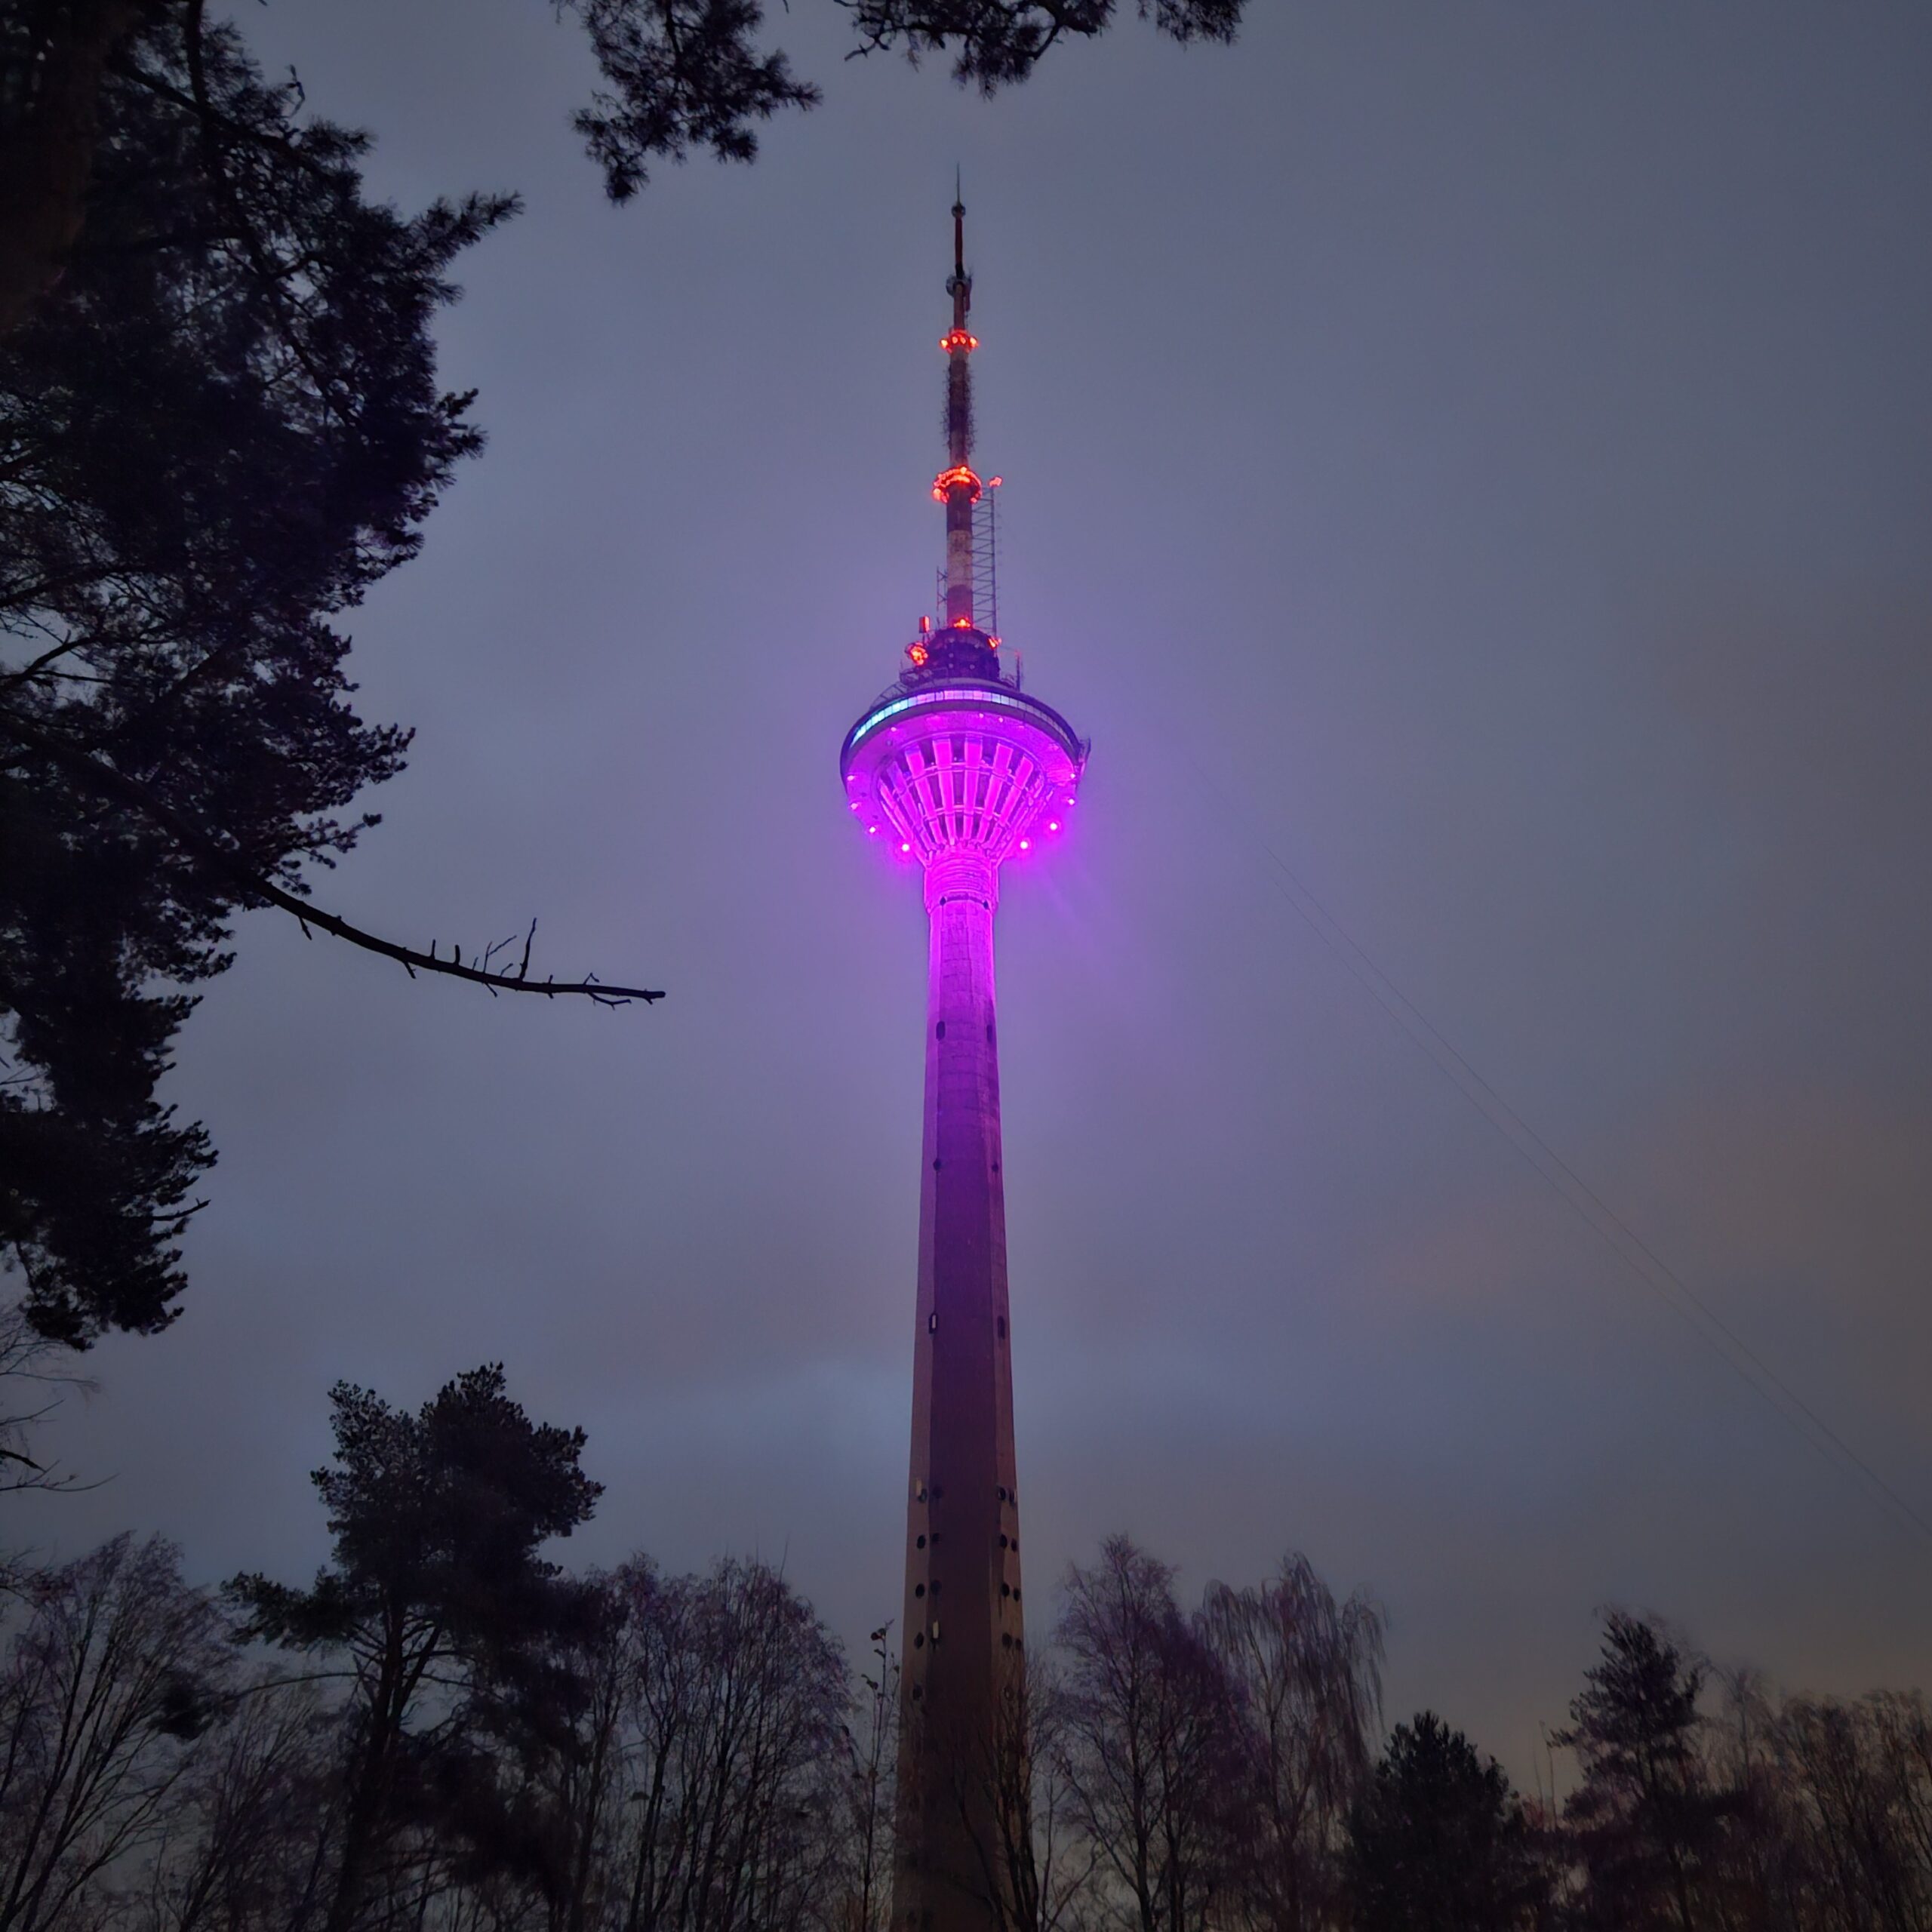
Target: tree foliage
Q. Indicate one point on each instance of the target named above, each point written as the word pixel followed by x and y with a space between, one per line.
pixel 1438 1842
pixel 446 1618
pixel 220 431
pixel 679 74
pixel 1648 1823
pixel 994 43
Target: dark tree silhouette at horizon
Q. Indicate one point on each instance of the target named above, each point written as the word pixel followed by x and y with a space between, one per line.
pixel 628 1751
pixel 1649 1824
pixel 1439 1842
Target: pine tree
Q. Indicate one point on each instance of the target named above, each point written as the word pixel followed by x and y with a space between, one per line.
pixel 441 1611
pixel 1649 1827
pixel 1440 1843
pixel 217 432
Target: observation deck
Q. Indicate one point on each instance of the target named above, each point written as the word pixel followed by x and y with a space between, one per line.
pixel 955 760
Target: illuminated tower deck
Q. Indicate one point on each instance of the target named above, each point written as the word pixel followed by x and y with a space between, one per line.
pixel 957 770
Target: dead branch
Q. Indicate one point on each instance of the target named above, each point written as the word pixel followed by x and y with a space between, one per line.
pixel 110 783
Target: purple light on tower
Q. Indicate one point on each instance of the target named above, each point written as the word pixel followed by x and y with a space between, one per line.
pixel 965 768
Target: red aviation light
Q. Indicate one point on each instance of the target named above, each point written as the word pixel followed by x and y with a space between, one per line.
pixel 917 652
pixel 958 338
pixel 959 475
pixel 962 623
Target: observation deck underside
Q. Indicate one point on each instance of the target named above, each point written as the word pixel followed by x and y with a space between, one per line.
pixel 957 767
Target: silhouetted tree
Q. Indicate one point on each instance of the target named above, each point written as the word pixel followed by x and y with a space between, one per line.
pixel 1438 1842
pixel 1766 1883
pixel 1150 1742
pixel 440 1606
pixel 114 1668
pixel 1854 1812
pixel 222 431
pixel 732 1740
pixel 573 1766
pixel 35 1377
pixel 247 1843
pixel 871 1743
pixel 636 1752
pixel 1065 1863
pixel 1307 1671
pixel 1648 1824
pixel 1034 1867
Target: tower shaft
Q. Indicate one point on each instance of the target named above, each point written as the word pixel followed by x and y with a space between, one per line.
pixel 961 1760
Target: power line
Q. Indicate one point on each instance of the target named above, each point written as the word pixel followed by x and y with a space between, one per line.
pixel 1637 1254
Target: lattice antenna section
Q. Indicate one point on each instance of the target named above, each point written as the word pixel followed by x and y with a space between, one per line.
pixel 985 559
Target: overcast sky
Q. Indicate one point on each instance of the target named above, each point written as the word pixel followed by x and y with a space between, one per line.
pixel 1477 457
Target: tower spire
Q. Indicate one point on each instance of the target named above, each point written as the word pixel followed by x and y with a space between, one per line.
pixel 956 486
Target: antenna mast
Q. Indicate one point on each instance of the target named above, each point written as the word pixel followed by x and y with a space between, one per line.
pixel 956 486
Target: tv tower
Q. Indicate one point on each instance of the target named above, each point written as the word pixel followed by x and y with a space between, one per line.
pixel 957 769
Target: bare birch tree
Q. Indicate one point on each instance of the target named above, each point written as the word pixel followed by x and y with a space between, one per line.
pixel 109 1675
pixel 1308 1673
pixel 248 1846
pixel 738 1695
pixel 871 1753
pixel 1150 1747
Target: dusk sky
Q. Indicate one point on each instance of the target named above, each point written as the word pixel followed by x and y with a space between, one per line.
pixel 1473 460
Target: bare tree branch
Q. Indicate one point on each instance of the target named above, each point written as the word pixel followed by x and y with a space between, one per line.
pixel 118 786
